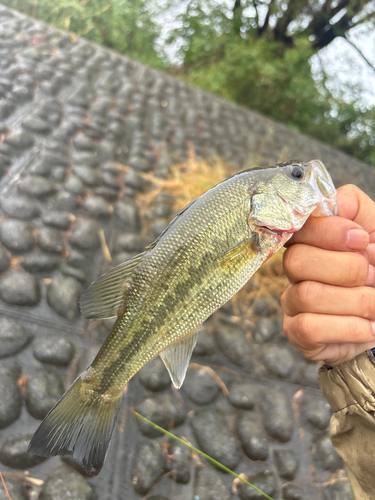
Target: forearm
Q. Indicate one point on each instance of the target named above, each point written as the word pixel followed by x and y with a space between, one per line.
pixel 350 390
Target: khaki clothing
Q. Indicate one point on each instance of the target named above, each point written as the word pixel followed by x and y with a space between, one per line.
pixel 350 390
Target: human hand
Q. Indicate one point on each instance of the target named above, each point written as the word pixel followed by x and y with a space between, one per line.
pixel 329 305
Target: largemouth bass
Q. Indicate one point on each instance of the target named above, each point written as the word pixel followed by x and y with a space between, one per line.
pixel 161 296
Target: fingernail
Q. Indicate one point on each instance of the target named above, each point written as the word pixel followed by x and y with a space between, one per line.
pixel 357 239
pixel 371 276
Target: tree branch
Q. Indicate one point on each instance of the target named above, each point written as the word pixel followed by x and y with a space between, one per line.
pixel 360 53
pixel 262 29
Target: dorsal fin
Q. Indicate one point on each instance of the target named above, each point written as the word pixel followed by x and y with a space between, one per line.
pixel 105 297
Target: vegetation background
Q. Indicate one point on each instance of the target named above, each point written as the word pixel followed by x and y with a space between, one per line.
pixel 255 52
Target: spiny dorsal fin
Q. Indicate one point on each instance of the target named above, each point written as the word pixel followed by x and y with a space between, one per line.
pixel 176 358
pixel 105 297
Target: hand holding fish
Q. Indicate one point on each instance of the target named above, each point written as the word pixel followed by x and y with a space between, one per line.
pixel 330 303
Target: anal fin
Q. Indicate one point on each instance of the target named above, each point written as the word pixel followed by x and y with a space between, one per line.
pixel 176 358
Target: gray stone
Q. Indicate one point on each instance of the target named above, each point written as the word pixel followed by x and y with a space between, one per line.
pixel 134 180
pixel 180 462
pixel 16 490
pixel 37 125
pixel 127 214
pixel 154 375
pixel 35 185
pixel 252 437
pixel 85 235
pixel 325 455
pixel 210 486
pixel 129 242
pixel 56 351
pixel 243 395
pixel 19 207
pixel 6 109
pixel 106 192
pixel 263 306
pixel 111 181
pixel 88 175
pixel 59 220
pixel 63 294
pixel 20 289
pixel 317 411
pixel 4 259
pixel 78 274
pixel 13 453
pixel 205 343
pixel 215 437
pixel 148 465
pixel 159 226
pixel 200 386
pixel 264 481
pixel 277 414
pixel 266 329
pixel 13 337
pixel 234 344
pixel 338 491
pixel 286 462
pixel 10 395
pixel 50 240
pixel 76 259
pixel 294 492
pixel 86 158
pixel 278 360
pixel 38 262
pixel 64 201
pixel 97 206
pixel 75 185
pixel 16 235
pixel 58 174
pixel 164 409
pixel 43 390
pixel 64 483
pixel 82 142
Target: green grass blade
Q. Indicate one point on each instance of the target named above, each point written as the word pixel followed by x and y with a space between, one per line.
pixel 199 452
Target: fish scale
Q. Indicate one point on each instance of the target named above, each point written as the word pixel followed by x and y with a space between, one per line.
pixel 207 253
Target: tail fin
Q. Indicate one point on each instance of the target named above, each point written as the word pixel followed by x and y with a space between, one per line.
pixel 78 425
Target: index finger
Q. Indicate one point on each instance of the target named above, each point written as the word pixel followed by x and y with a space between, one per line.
pixel 355 205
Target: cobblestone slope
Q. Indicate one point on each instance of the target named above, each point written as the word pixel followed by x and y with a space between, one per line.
pixel 71 113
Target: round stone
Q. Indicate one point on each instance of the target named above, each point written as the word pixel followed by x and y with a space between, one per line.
pixel 13 453
pixel 129 242
pixel 148 465
pixel 277 414
pixel 37 125
pixel 127 214
pixel 252 437
pixel 180 462
pixel 63 294
pixel 205 344
pixel 43 390
pixel 88 175
pixel 264 481
pixel 64 483
pixel 56 351
pixel 325 455
pixel 215 437
pixel 234 344
pixel 16 235
pixel 6 109
pixel 210 486
pixel 19 207
pixel 38 262
pixel 10 396
pixel 50 240
pixel 37 186
pixel 76 259
pixel 286 462
pixel 243 395
pixel 266 329
pixel 111 181
pixel 164 409
pixel 20 289
pixel 13 337
pixel 4 259
pixel 278 360
pixel 64 201
pixel 59 220
pixel 154 375
pixel 78 274
pixel 16 490
pixel 134 180
pixel 85 235
pixel 200 386
pixel 317 411
pixel 75 185
pixel 97 206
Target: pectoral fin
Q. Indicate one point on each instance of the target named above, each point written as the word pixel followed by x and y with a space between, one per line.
pixel 105 297
pixel 243 249
pixel 176 358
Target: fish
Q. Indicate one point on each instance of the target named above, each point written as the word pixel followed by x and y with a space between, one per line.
pixel 160 297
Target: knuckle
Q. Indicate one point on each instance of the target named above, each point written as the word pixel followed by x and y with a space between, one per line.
pixel 292 262
pixel 305 292
pixel 356 327
pixel 304 326
pixel 357 269
pixel 367 301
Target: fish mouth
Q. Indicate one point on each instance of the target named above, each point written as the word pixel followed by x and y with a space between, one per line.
pixel 322 183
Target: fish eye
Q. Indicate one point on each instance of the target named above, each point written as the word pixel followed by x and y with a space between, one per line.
pixel 298 172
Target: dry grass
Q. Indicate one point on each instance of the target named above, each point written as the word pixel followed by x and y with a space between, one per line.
pixel 190 179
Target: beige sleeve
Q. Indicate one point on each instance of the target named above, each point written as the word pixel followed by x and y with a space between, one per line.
pixel 350 390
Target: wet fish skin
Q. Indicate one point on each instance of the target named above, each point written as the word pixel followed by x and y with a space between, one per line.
pixel 208 252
